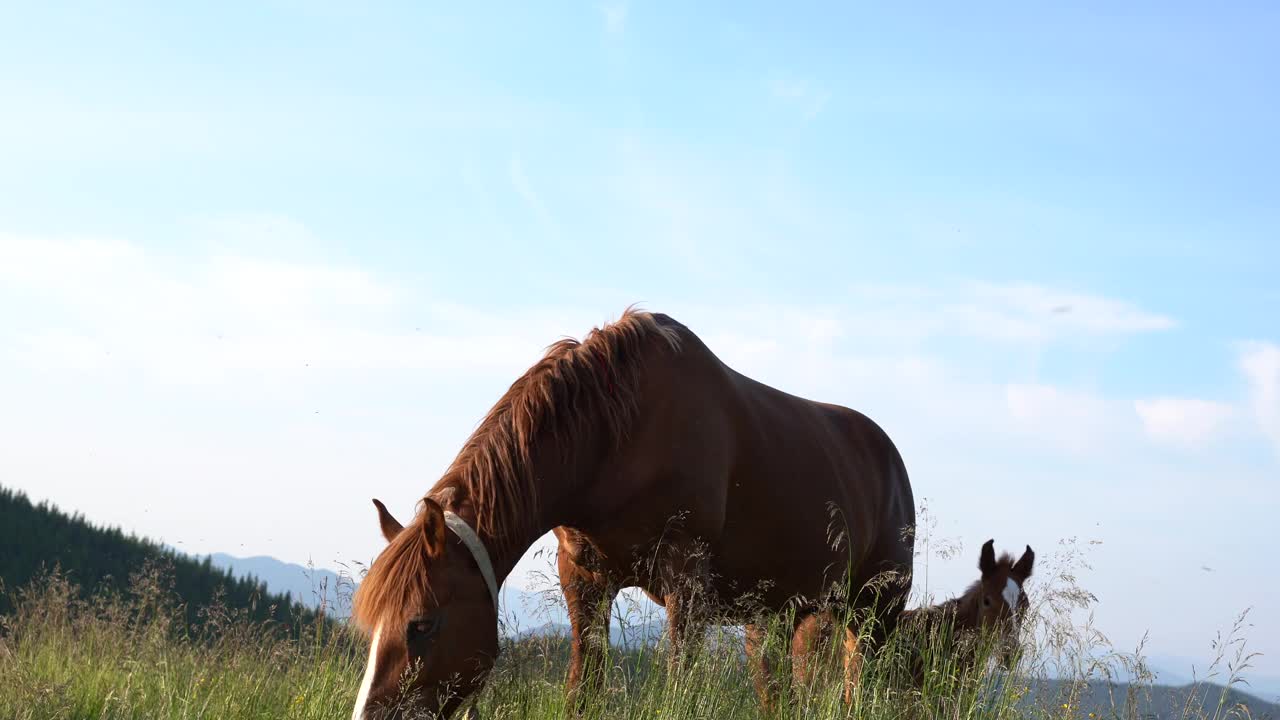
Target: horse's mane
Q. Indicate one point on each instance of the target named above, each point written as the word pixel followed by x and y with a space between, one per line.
pixel 592 384
pixel 576 385
pixel 396 580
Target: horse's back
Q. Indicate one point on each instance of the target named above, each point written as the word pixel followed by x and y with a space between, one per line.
pixel 800 473
pixel 807 447
pixel 769 477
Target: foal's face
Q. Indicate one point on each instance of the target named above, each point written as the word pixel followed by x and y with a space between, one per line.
pixel 1002 602
pixel 430 654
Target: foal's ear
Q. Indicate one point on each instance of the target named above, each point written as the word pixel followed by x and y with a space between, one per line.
pixel 433 527
pixel 987 562
pixel 1022 568
pixel 390 526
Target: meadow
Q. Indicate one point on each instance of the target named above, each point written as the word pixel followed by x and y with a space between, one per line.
pixel 136 654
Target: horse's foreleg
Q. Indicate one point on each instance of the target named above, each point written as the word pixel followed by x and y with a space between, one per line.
pixel 685 580
pixel 588 596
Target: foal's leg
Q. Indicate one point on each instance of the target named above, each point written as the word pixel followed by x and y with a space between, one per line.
pixel 810 645
pixel 860 645
pixel 769 683
pixel 853 657
pixel 589 596
pixel 813 644
pixel 761 670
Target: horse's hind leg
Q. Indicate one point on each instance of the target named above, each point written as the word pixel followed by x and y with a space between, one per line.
pixel 589 597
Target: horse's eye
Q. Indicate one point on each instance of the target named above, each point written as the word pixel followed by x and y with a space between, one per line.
pixel 986 602
pixel 423 627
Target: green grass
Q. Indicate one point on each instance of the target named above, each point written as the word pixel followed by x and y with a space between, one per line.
pixel 134 655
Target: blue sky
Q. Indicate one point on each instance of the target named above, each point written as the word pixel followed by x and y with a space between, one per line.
pixel 289 253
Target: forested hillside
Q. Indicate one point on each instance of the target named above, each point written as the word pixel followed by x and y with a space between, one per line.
pixel 35 537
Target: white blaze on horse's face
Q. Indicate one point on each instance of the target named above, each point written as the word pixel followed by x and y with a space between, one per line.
pixel 370 669
pixel 1011 593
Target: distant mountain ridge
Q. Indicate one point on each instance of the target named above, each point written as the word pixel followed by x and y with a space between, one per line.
pixel 312 586
pixel 1153 702
pixel 647 634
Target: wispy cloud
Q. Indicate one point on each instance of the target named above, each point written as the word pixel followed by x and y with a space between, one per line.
pixel 799 348
pixel 1185 422
pixel 615 16
pixel 530 196
pixel 1017 314
pixel 1037 311
pixel 809 97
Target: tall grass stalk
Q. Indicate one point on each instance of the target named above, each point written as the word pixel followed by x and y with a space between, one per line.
pixel 133 655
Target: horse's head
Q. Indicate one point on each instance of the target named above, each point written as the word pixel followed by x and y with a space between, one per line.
pixel 1002 603
pixel 431 611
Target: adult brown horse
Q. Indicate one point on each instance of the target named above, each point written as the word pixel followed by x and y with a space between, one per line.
pixel 606 441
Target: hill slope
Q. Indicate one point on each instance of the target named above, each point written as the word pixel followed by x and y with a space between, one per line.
pixel 37 538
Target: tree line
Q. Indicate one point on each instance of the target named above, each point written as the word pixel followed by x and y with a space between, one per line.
pixel 35 539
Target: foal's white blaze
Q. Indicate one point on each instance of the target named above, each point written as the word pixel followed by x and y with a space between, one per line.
pixel 369 670
pixel 1011 592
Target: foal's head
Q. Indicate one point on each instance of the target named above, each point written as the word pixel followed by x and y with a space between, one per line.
pixel 997 601
pixel 432 618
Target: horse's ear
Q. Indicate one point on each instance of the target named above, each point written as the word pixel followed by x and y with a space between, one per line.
pixel 1022 568
pixel 987 561
pixel 390 526
pixel 433 527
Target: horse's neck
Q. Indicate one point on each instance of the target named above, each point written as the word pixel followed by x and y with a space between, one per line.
pixel 958 611
pixel 964 610
pixel 503 552
pixel 556 484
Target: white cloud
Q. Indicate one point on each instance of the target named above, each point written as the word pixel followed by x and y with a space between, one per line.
pixel 279 286
pixel 1187 422
pixel 1055 416
pixel 256 230
pixel 203 320
pixel 922 391
pixel 1260 363
pixel 62 265
pixel 122 280
pixel 203 358
pixel 120 306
